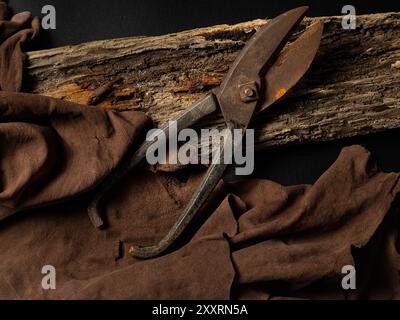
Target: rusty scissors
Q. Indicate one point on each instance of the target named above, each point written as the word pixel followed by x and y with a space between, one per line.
pixel 266 68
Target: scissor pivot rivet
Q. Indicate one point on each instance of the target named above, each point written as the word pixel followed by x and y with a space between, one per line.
pixel 248 92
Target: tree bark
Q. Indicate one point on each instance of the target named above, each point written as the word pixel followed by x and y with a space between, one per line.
pixel 352 87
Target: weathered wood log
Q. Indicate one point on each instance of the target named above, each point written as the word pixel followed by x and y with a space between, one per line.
pixel 351 89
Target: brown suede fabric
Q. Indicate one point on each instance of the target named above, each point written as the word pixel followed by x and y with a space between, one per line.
pixel 254 239
pixel 14 32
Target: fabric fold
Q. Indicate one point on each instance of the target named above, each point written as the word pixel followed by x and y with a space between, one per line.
pixel 44 140
pixel 307 233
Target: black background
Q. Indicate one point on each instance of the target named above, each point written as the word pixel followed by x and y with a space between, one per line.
pixel 79 21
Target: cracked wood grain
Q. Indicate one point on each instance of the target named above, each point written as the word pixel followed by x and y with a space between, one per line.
pixel 352 87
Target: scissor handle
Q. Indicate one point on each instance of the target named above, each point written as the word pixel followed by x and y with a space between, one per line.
pixel 201 108
pixel 209 182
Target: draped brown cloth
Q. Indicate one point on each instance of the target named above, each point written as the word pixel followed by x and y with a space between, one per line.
pixel 254 239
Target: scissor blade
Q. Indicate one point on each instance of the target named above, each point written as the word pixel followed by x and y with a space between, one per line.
pixel 255 58
pixel 291 65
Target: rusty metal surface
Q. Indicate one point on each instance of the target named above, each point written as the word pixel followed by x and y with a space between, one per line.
pixel 291 65
pixel 261 74
pixel 255 58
